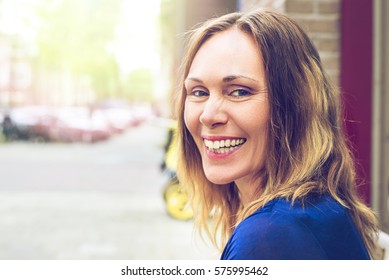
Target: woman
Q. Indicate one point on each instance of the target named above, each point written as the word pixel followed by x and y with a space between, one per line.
pixel 262 150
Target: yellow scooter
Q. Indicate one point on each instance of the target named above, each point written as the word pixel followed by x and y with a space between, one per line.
pixel 176 199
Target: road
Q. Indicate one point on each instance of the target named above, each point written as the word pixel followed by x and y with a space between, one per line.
pixel 91 201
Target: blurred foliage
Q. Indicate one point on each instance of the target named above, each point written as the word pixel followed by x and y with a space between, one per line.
pixel 75 35
pixel 171 42
pixel 167 23
pixel 78 36
pixel 139 85
pixel 76 31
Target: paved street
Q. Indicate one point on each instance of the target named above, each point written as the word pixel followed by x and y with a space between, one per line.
pixel 100 201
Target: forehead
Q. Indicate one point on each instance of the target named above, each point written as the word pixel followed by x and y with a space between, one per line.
pixel 228 52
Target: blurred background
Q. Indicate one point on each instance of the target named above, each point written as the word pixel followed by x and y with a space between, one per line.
pixel 86 102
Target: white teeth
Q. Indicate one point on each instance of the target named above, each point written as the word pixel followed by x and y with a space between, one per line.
pixel 223 146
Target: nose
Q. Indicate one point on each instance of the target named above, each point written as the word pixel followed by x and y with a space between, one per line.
pixel 213 114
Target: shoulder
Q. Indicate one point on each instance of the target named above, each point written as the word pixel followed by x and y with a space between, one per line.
pixel 273 232
pixel 281 230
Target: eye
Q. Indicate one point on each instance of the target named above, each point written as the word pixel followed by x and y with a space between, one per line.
pixel 199 93
pixel 240 93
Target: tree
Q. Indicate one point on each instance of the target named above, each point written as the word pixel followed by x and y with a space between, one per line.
pixel 75 35
pixel 139 85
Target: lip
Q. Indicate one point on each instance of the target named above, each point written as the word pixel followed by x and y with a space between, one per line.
pixel 219 138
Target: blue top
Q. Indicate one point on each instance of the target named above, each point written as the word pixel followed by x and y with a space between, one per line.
pixel 319 229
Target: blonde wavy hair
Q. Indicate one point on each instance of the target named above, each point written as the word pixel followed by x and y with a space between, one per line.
pixel 307 150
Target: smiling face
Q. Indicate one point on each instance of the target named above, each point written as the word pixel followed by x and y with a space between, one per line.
pixel 227 108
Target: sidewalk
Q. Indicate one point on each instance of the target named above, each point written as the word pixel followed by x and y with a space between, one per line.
pixel 55 225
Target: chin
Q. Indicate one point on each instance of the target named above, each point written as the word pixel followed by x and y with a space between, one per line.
pixel 219 180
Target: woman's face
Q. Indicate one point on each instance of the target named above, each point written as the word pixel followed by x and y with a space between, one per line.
pixel 227 108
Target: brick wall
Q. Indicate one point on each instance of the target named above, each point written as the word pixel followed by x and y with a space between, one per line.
pixel 319 18
pixel 197 11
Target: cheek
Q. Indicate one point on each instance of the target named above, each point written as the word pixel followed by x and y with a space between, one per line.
pixel 262 132
pixel 257 126
pixel 255 120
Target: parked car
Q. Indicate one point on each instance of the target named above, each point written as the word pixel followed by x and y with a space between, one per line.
pixel 31 123
pixel 77 124
pixel 72 123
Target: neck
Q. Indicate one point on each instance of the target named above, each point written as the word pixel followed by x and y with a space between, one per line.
pixel 249 190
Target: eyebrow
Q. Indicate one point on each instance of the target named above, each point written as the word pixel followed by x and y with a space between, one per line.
pixel 234 77
pixel 225 79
